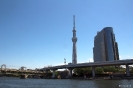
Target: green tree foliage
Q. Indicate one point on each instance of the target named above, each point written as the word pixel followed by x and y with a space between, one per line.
pixel 87 70
pixel 110 69
pixel 99 70
pixel 56 73
pixel 80 71
pixel 132 69
pixel 121 69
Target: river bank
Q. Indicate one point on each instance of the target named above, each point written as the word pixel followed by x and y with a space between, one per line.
pixel 85 77
pixel 76 78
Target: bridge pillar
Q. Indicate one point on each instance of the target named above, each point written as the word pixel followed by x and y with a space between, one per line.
pixel 93 71
pixel 127 70
pixel 70 72
pixel 53 76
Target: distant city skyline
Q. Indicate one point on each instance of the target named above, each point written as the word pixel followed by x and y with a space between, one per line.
pixel 35 33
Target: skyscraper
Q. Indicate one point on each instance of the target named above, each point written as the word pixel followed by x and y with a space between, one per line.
pixel 105 46
pixel 74 40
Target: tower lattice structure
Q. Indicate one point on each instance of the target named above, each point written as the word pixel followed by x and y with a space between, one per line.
pixel 74 40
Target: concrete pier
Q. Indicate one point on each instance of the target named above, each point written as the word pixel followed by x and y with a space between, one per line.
pixel 70 72
pixel 93 71
pixel 53 76
pixel 127 70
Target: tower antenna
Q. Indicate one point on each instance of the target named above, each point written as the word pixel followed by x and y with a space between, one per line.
pixel 74 21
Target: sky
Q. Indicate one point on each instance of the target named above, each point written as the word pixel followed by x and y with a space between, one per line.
pixel 37 33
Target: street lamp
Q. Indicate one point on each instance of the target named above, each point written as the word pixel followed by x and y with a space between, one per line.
pixel 64 61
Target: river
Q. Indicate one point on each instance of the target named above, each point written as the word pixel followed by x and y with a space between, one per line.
pixel 12 82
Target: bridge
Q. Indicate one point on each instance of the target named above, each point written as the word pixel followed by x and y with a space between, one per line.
pixel 71 66
pixel 4 71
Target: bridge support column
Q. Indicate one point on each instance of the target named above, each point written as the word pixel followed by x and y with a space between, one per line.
pixel 93 71
pixel 70 72
pixel 127 70
pixel 53 76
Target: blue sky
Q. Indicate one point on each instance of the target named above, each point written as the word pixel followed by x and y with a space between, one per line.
pixel 37 33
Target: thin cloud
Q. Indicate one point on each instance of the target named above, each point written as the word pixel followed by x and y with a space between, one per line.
pixel 128 56
pixel 58 64
pixel 91 60
pixel 87 61
pixel 125 57
pixel 65 50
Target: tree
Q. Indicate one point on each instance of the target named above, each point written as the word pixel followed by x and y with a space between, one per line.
pixel 81 71
pixel 56 73
pixel 132 69
pixel 78 71
pixel 99 70
pixel 110 69
pixel 87 70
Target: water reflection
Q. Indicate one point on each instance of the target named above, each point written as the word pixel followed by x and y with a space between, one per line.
pixel 112 83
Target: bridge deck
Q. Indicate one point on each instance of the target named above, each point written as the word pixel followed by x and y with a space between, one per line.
pixel 92 64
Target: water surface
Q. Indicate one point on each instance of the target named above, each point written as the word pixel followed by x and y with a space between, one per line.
pixel 12 82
